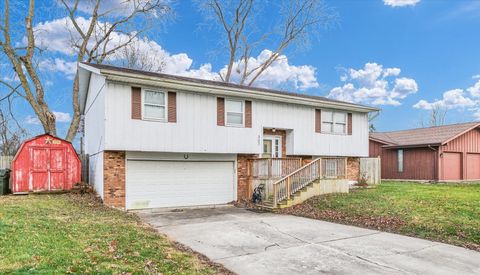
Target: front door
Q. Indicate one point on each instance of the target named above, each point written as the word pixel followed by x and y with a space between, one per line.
pixel 272 147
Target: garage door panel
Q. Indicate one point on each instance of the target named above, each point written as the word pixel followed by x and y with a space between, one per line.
pixel 453 166
pixel 473 166
pixel 178 183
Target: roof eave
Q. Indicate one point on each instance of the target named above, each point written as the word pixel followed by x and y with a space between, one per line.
pixel 400 146
pixel 459 134
pixel 380 140
pixel 118 76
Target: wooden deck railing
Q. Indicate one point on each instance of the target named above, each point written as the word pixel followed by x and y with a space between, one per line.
pixel 298 179
pixel 268 168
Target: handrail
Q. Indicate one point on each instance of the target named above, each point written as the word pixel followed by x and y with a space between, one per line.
pixel 291 183
pixel 272 168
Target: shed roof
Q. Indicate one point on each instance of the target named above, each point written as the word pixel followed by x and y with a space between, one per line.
pixel 436 135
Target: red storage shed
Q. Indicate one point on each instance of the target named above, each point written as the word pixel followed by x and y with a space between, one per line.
pixel 45 163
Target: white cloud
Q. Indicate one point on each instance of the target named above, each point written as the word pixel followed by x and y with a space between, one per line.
pixel 400 3
pixel 279 73
pixel 60 116
pixel 372 85
pixel 452 99
pixel 59 65
pixel 32 120
pixel 58 36
pixel 475 89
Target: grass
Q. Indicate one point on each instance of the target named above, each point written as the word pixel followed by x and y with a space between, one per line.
pixel 447 213
pixel 68 233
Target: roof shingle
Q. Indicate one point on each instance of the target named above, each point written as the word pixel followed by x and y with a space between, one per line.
pixel 424 136
pixel 219 83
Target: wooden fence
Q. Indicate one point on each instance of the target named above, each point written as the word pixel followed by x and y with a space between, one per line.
pixel 6 162
pixel 370 170
pixel 84 160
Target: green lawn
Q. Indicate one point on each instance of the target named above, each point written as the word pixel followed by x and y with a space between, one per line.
pixel 67 233
pixel 447 213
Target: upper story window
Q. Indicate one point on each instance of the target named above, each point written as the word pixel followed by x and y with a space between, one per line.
pixel 154 105
pixel 334 122
pixel 234 112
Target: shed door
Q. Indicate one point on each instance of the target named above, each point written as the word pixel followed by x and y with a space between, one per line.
pixel 48 169
pixel 39 173
pixel 151 184
pixel 452 166
pixel 57 169
pixel 473 166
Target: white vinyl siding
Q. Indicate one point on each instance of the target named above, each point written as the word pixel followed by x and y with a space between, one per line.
pixel 234 112
pixel 334 122
pixel 197 132
pixel 154 105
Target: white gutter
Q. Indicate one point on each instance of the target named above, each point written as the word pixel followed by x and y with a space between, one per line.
pixel 116 76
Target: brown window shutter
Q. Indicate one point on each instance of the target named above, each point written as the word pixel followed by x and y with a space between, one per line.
pixel 220 111
pixel 248 114
pixel 318 120
pixel 172 107
pixel 349 123
pixel 136 103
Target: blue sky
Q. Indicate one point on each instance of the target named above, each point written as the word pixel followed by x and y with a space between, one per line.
pixel 400 58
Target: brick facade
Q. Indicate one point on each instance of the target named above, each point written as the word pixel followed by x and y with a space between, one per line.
pixel 353 168
pixel 114 178
pixel 243 179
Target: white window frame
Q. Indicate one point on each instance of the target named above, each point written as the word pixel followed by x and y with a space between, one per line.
pixel 400 160
pixel 333 122
pixel 274 139
pixel 226 113
pixel 144 91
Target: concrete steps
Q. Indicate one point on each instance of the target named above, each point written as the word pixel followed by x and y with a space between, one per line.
pixel 315 188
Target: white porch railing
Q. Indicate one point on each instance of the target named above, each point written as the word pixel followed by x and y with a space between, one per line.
pixel 331 168
pixel 268 168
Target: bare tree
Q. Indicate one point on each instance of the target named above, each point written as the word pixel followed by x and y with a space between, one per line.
pixel 298 20
pixel 371 118
pixel 94 42
pixel 436 116
pixel 11 137
pixel 134 57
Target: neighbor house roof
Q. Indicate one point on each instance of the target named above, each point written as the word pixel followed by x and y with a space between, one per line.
pixel 131 75
pixel 433 136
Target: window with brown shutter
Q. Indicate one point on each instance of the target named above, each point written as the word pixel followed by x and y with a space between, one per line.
pixel 220 111
pixel 349 124
pixel 136 103
pixel 318 120
pixel 248 114
pixel 172 107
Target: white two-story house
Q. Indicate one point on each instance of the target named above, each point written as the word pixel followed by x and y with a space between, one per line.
pixel 157 140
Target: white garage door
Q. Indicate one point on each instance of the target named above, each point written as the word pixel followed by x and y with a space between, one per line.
pixel 151 184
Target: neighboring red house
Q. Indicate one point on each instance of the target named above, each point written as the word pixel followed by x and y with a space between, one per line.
pixel 442 153
pixel 45 163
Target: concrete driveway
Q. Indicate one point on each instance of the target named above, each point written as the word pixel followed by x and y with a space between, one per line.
pixel 263 243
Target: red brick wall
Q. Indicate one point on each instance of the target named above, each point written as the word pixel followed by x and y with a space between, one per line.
pixel 114 178
pixel 243 179
pixel 353 169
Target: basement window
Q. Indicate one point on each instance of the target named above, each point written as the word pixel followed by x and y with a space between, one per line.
pixel 400 160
